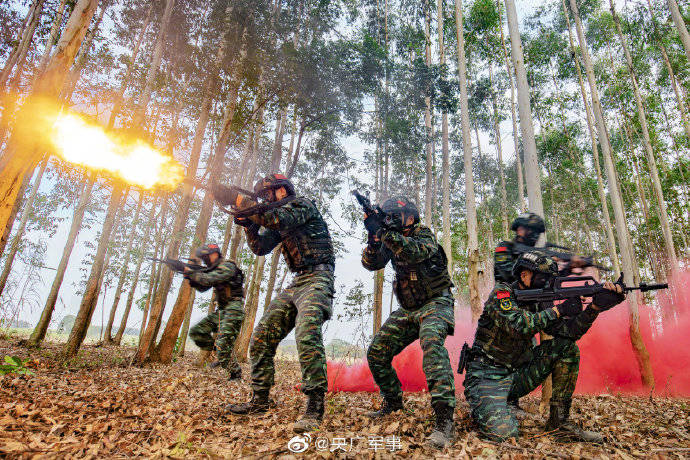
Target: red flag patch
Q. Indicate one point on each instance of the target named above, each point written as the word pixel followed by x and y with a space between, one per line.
pixel 501 249
pixel 401 203
pixel 279 176
pixel 502 294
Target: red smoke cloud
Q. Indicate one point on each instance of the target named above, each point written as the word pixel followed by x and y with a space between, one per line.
pixel 607 364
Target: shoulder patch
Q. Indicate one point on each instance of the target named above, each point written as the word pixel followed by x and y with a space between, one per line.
pixel 506 304
pixel 502 295
pixel 501 249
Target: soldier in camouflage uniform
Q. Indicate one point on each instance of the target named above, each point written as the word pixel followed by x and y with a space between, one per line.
pixel 503 364
pixel 528 227
pixel 422 287
pixel 227 279
pixel 304 305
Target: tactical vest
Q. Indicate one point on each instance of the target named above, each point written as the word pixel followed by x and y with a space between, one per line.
pixel 416 283
pixel 501 346
pixel 308 245
pixel 227 291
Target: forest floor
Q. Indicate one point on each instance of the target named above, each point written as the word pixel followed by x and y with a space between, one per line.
pixel 97 406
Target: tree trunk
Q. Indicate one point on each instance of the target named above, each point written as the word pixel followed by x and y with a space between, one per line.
pixel 532 170
pixel 251 304
pixel 445 154
pixel 145 238
pixel 52 38
pixel 516 138
pixel 185 326
pixel 145 97
pixel 123 273
pixel 18 56
pixel 275 258
pixel 680 26
pixel 662 213
pixel 639 348
pixel 610 239
pixel 470 203
pixel 28 209
pixel 20 158
pixel 88 303
pixel 429 187
pixel 39 332
pixel 499 159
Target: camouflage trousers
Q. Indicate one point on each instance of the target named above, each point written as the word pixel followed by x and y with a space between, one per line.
pixel 489 387
pixel 227 322
pixel 430 324
pixel 304 306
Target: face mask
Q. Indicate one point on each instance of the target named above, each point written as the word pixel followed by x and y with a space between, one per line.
pixel 531 238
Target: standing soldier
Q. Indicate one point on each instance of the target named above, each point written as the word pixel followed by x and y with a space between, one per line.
pixel 304 305
pixel 503 365
pixel 227 279
pixel 422 287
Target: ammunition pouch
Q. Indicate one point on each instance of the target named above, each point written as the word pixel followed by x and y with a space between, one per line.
pixel 416 284
pixel 302 252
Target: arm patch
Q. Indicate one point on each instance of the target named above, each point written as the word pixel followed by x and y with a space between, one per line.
pixel 502 295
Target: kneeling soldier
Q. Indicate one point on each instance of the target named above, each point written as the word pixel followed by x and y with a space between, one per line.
pixel 504 366
pixel 422 287
pixel 227 279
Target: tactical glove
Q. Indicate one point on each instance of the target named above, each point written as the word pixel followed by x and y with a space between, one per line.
pixel 605 300
pixel 570 307
pixel 373 223
pixel 373 242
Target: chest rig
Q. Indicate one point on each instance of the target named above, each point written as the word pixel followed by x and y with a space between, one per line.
pixel 308 245
pixel 417 283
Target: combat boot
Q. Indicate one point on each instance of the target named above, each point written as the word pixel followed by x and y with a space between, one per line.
pixel 559 422
pixel 235 374
pixel 214 364
pixel 313 415
pixel 444 429
pixel 258 404
pixel 518 412
pixel 389 405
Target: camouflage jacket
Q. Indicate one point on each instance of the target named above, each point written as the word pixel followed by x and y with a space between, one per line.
pixel 419 262
pixel 226 278
pixel 505 329
pixel 301 229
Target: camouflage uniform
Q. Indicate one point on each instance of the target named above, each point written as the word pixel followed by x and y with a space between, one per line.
pixel 422 287
pixel 306 303
pixel 503 365
pixel 227 279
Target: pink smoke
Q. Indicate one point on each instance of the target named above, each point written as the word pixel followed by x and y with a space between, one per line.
pixel 607 360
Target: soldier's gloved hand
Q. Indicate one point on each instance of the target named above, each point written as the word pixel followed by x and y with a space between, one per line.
pixel 372 223
pixel 226 196
pixel 373 241
pixel 243 222
pixel 570 307
pixel 611 296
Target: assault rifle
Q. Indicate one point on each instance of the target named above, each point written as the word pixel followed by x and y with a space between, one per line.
pixel 590 288
pixel 178 266
pixel 376 218
pixel 560 252
pixel 227 195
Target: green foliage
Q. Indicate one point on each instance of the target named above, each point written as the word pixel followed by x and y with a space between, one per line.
pixel 15 365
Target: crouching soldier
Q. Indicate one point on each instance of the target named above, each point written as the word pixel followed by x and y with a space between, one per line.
pixel 504 366
pixel 422 287
pixel 227 279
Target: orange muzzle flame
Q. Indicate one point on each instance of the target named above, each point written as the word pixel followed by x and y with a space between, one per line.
pixel 134 161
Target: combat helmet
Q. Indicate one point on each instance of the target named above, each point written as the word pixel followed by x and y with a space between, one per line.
pixel 273 182
pixel 205 251
pixel 534 223
pixel 401 204
pixel 543 267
